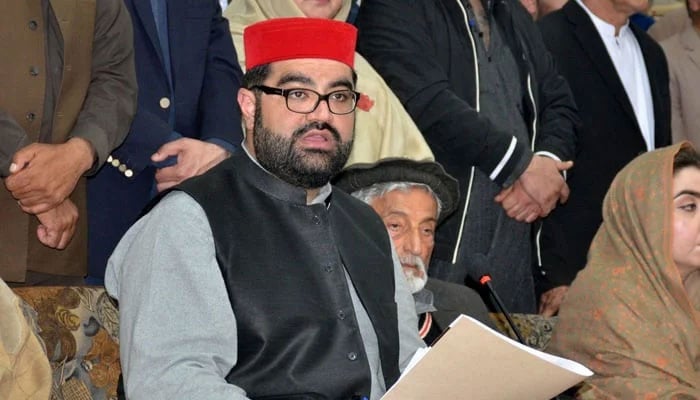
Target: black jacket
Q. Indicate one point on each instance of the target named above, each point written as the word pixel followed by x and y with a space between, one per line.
pixel 423 50
pixel 609 138
pixel 298 335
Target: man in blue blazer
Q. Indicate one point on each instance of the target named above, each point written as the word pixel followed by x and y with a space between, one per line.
pixel 187 120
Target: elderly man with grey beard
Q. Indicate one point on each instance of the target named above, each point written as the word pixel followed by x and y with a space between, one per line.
pixel 412 198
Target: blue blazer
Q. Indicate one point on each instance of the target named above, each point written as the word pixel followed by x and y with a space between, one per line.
pixel 205 77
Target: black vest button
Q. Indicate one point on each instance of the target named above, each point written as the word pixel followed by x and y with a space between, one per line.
pixel 316 219
pixel 328 268
pixel 352 356
pixel 341 314
pixel 33 25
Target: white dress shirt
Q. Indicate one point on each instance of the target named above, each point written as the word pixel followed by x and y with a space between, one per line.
pixel 626 55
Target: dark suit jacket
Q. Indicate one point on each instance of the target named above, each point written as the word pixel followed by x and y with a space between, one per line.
pixel 206 78
pixel 451 300
pixel 13 139
pixel 609 138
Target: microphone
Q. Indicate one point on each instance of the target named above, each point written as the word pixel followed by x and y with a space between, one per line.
pixel 484 279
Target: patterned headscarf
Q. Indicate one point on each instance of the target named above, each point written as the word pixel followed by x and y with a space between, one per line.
pixel 627 315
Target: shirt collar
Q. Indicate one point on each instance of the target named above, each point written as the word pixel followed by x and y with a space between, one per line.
pixel 605 29
pixel 424 301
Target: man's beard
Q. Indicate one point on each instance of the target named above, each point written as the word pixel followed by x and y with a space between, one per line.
pixel 310 168
pixel 416 279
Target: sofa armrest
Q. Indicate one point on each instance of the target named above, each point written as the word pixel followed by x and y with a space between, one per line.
pixel 535 329
pixel 79 328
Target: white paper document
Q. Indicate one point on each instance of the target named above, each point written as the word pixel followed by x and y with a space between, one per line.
pixel 472 361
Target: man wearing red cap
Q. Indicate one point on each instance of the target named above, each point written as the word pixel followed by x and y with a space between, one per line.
pixel 282 286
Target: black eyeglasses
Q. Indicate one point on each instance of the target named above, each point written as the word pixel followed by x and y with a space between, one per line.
pixel 304 101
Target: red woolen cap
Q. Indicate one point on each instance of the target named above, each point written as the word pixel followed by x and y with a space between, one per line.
pixel 281 39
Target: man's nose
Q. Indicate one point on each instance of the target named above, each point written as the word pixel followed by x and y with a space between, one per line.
pixel 413 243
pixel 322 112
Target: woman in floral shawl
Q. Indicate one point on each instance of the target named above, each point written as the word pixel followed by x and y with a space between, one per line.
pixel 631 315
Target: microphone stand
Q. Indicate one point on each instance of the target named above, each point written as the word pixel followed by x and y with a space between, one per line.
pixel 485 280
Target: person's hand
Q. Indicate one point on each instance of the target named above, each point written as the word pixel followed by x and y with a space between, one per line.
pixel 542 180
pixel 551 300
pixel 43 175
pixel 194 157
pixel 518 204
pixel 57 225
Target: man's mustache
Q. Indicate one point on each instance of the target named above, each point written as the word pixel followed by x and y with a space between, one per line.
pixel 414 260
pixel 319 126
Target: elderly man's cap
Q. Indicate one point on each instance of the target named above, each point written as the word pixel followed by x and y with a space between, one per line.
pixel 280 39
pixel 360 176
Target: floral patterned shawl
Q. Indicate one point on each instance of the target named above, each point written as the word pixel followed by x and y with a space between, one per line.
pixel 627 315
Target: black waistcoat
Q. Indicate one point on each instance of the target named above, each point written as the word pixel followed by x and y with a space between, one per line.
pixel 282 262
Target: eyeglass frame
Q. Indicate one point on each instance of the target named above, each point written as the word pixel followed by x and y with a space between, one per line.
pixel 321 97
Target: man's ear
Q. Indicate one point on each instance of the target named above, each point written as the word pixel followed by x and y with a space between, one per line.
pixel 246 101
